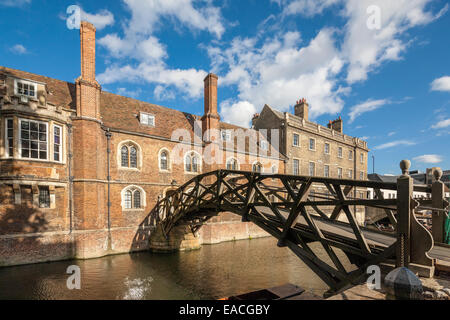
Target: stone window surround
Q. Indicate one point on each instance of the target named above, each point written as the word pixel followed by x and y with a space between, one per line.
pixel 325 172
pixel 341 175
pixel 309 144
pixel 119 155
pixel 199 164
pixel 35 192
pixel 169 160
pixel 309 168
pixel 325 149
pixel 260 165
pixel 238 165
pixel 340 153
pixel 27 82
pixel 17 145
pixel 299 141
pixel 293 167
pixel 133 188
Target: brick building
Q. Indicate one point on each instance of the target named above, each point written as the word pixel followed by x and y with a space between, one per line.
pixel 81 169
pixel 315 150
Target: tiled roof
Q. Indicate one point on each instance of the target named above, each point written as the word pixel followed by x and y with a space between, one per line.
pixel 122 113
pixel 60 93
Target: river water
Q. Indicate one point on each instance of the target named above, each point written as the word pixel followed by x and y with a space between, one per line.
pixel 214 271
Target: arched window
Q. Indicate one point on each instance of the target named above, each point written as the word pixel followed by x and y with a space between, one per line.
pixel 129 156
pixel 232 164
pixel 164 156
pixel 192 162
pixel 133 197
pixel 257 167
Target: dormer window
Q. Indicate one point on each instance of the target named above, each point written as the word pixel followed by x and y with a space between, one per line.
pixel 25 88
pixel 147 119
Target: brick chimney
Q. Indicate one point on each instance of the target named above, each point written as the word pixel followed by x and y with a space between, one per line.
pixel 336 125
pixel 301 109
pixel 211 118
pixel 88 89
pixel 89 145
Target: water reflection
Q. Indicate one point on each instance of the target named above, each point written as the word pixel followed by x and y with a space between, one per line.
pixel 209 273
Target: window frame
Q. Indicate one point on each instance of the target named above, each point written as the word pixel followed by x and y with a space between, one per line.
pixel 326 173
pixel 129 144
pixel 340 173
pixel 168 160
pixel 264 145
pixel 25 82
pixel 227 135
pixel 132 189
pixel 350 173
pixel 350 154
pixel 325 148
pixel 340 152
pixel 314 168
pixel 29 139
pixel 309 144
pixel 148 116
pixel 235 161
pixel 298 140
pixel 361 159
pixel 8 146
pixel 44 203
pixel 295 160
pixel 60 142
pixel 257 164
pixel 190 154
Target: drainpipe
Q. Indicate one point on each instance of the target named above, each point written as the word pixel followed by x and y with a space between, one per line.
pixel 108 178
pixel 69 165
pixel 108 152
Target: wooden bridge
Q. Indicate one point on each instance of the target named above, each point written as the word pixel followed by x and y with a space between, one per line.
pixel 290 209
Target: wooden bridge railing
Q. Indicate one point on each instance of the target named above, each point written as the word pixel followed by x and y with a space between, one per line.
pixel 298 210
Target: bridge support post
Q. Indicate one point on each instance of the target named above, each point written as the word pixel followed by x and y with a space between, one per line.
pixel 438 218
pixel 404 193
pixel 180 238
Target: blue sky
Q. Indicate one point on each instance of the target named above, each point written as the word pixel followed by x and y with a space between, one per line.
pixel 382 65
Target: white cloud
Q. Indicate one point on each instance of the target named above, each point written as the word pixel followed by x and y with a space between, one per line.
pixel 279 71
pixel 369 105
pixel 428 158
pixel 238 113
pixel 442 124
pixel 395 144
pixel 390 134
pixel 146 54
pixel 100 20
pixel 189 81
pixel 14 3
pixel 366 49
pixel 19 49
pixel 146 15
pixel 307 8
pixel 441 84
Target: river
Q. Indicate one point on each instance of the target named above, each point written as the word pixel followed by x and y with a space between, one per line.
pixel 214 271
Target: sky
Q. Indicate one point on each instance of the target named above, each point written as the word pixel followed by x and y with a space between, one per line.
pixel 382 65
